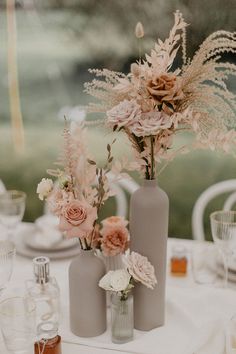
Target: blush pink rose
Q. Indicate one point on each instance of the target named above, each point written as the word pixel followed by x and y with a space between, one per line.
pixel 123 114
pixel 141 269
pixel 115 240
pixel 77 218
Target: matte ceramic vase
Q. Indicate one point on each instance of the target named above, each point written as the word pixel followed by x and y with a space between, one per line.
pixel 87 299
pixel 149 211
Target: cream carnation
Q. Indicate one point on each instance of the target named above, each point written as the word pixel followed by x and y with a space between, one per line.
pixel 141 269
pixel 44 188
pixel 124 114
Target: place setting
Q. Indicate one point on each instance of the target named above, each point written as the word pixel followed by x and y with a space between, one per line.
pixel 32 239
pixel 44 237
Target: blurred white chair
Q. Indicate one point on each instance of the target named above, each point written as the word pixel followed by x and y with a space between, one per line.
pixel 123 185
pixel 202 201
pixel 2 186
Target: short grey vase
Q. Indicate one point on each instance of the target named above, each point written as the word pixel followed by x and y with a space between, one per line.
pixel 149 214
pixel 87 299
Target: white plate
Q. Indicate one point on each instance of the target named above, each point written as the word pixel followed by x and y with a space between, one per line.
pixel 24 250
pixel 31 236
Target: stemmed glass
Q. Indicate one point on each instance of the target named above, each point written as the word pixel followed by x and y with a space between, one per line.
pixel 7 255
pixel 12 208
pixel 223 228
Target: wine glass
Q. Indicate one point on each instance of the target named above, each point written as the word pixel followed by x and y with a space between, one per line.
pixel 223 228
pixel 12 208
pixel 7 255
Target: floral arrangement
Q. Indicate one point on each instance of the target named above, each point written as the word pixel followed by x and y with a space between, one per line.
pixel 154 102
pixel 80 190
pixel 121 281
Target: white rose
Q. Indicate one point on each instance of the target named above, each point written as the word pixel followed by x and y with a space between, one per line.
pixel 44 188
pixel 105 282
pixel 115 280
pixel 120 280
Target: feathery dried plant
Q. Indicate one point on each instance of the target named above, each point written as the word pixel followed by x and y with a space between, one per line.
pixel 81 186
pixel 153 102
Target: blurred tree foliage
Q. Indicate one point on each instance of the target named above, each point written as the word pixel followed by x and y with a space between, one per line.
pixel 106 27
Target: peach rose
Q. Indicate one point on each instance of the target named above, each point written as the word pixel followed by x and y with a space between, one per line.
pixel 115 240
pixel 114 221
pixel 77 218
pixel 165 88
pixel 141 269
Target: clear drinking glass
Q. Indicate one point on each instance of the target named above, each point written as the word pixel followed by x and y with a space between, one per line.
pixel 204 257
pixel 17 319
pixel 223 228
pixel 122 322
pixel 7 255
pixel 12 208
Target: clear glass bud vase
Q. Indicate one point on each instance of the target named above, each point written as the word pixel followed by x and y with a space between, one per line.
pixel 122 322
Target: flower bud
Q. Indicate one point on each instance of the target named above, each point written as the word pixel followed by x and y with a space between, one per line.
pixel 139 31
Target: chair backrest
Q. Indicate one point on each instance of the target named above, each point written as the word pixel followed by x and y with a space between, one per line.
pixel 202 201
pixel 121 186
pixel 2 186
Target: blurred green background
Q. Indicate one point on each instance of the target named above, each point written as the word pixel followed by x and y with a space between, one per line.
pixel 57 41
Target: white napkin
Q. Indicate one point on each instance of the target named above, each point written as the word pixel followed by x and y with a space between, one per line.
pixel 195 324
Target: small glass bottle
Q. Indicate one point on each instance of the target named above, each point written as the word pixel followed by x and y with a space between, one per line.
pixel 179 260
pixel 45 292
pixel 122 322
pixel 49 341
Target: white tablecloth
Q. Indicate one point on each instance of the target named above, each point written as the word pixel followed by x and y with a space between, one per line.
pixel 196 316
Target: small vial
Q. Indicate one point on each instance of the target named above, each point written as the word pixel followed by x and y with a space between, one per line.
pixel 178 261
pixel 49 341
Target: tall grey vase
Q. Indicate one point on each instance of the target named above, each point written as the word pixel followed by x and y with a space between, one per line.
pixel 149 214
pixel 87 299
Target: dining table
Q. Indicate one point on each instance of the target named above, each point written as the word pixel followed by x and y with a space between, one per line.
pixel 196 321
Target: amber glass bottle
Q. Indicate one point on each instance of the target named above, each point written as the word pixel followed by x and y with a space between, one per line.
pixel 49 342
pixel 179 261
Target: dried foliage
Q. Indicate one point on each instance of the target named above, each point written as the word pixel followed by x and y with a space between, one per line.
pixel 154 102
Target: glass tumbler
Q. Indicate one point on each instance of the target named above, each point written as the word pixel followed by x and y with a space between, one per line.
pixel 7 255
pixel 17 320
pixel 204 263
pixel 122 322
